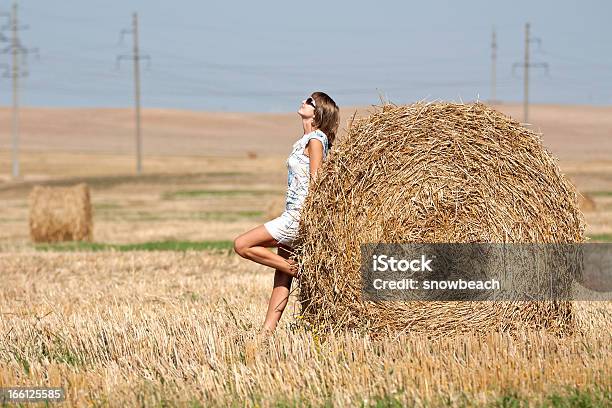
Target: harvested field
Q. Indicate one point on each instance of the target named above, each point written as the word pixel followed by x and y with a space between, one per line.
pixel 159 328
pixel 138 317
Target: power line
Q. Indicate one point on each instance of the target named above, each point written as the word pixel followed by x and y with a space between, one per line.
pixel 135 57
pixel 577 60
pixel 16 50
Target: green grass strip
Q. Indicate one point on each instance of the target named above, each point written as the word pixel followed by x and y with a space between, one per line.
pixel 601 237
pixel 143 246
pixel 568 398
pixel 599 193
pixel 215 193
pixel 184 216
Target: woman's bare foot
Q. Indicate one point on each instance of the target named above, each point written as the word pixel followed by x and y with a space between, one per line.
pixel 265 333
pixel 256 344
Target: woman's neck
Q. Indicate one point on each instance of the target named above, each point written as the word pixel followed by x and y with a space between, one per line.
pixel 307 125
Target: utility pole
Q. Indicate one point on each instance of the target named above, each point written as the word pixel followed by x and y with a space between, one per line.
pixel 137 92
pixel 493 67
pixel 4 39
pixel 15 75
pixel 526 76
pixel 526 65
pixel 135 57
pixel 16 50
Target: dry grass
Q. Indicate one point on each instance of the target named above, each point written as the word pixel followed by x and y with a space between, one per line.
pixel 128 329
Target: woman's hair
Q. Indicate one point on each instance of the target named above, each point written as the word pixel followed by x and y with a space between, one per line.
pixel 326 116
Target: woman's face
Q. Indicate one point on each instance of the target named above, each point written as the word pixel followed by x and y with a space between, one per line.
pixel 306 110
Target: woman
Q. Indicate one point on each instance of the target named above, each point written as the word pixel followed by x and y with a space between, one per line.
pixel 320 119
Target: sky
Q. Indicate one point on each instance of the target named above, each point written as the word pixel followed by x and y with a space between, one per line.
pixel 267 56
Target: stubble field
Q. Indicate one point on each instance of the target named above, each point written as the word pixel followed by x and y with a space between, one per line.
pixel 159 311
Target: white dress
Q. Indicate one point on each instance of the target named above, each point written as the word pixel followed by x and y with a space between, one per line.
pixel 284 228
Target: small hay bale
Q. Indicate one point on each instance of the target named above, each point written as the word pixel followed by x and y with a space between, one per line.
pixel 60 214
pixel 586 202
pixel 275 208
pixel 431 172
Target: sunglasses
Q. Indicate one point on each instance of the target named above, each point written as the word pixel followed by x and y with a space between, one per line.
pixel 310 101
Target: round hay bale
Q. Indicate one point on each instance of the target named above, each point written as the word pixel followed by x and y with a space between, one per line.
pixel 430 172
pixel 60 214
pixel 275 207
pixel 586 202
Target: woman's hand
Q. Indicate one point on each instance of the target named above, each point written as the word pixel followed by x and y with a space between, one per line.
pixel 293 266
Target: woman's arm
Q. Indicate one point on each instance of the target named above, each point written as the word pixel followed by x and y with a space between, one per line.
pixel 316 157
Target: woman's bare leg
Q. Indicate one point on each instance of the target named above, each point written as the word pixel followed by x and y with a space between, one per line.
pixel 252 245
pixel 280 294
